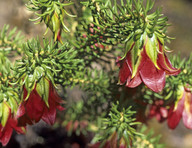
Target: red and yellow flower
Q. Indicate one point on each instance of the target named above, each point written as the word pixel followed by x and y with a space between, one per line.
pixel 37 107
pixel 181 109
pixel 145 61
pixel 8 123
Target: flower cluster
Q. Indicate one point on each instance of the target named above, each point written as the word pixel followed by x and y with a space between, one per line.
pixel 148 64
pixel 174 111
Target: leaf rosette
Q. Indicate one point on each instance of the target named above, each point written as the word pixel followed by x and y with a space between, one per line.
pixel 52 12
pixel 47 63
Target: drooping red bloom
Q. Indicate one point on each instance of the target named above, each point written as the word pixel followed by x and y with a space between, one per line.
pixel 148 65
pixel 181 109
pixel 34 108
pixel 6 131
pixel 158 110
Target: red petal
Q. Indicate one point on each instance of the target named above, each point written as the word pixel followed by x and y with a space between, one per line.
pixel 125 72
pixel 6 135
pixel 49 114
pixel 175 116
pixel 53 94
pixel 21 110
pixel 164 112
pixel 24 93
pixel 24 120
pixel 30 110
pixel 14 125
pixel 152 77
pixel 165 64
pixel 35 106
pixel 60 108
pixel 187 113
pixel 187 120
pixel 136 81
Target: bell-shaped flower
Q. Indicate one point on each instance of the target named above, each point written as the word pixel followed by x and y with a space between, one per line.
pixel 145 61
pixel 41 103
pixel 181 109
pixel 7 125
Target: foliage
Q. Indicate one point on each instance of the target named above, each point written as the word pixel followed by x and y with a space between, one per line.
pixel 10 41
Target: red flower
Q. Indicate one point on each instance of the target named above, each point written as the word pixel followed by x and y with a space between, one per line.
pixel 34 108
pixel 148 65
pixel 6 131
pixel 158 110
pixel 181 109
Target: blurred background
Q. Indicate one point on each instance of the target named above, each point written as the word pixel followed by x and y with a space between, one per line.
pixel 179 13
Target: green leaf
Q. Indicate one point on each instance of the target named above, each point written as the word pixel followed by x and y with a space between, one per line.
pixel 5 114
pixel 38 72
pixel 1 110
pixel 151 49
pixel 42 89
pixel 128 46
pixel 13 104
pixel 135 59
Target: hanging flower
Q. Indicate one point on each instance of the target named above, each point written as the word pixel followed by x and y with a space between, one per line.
pixel 158 110
pixel 9 123
pixel 37 106
pixel 145 62
pixel 181 109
